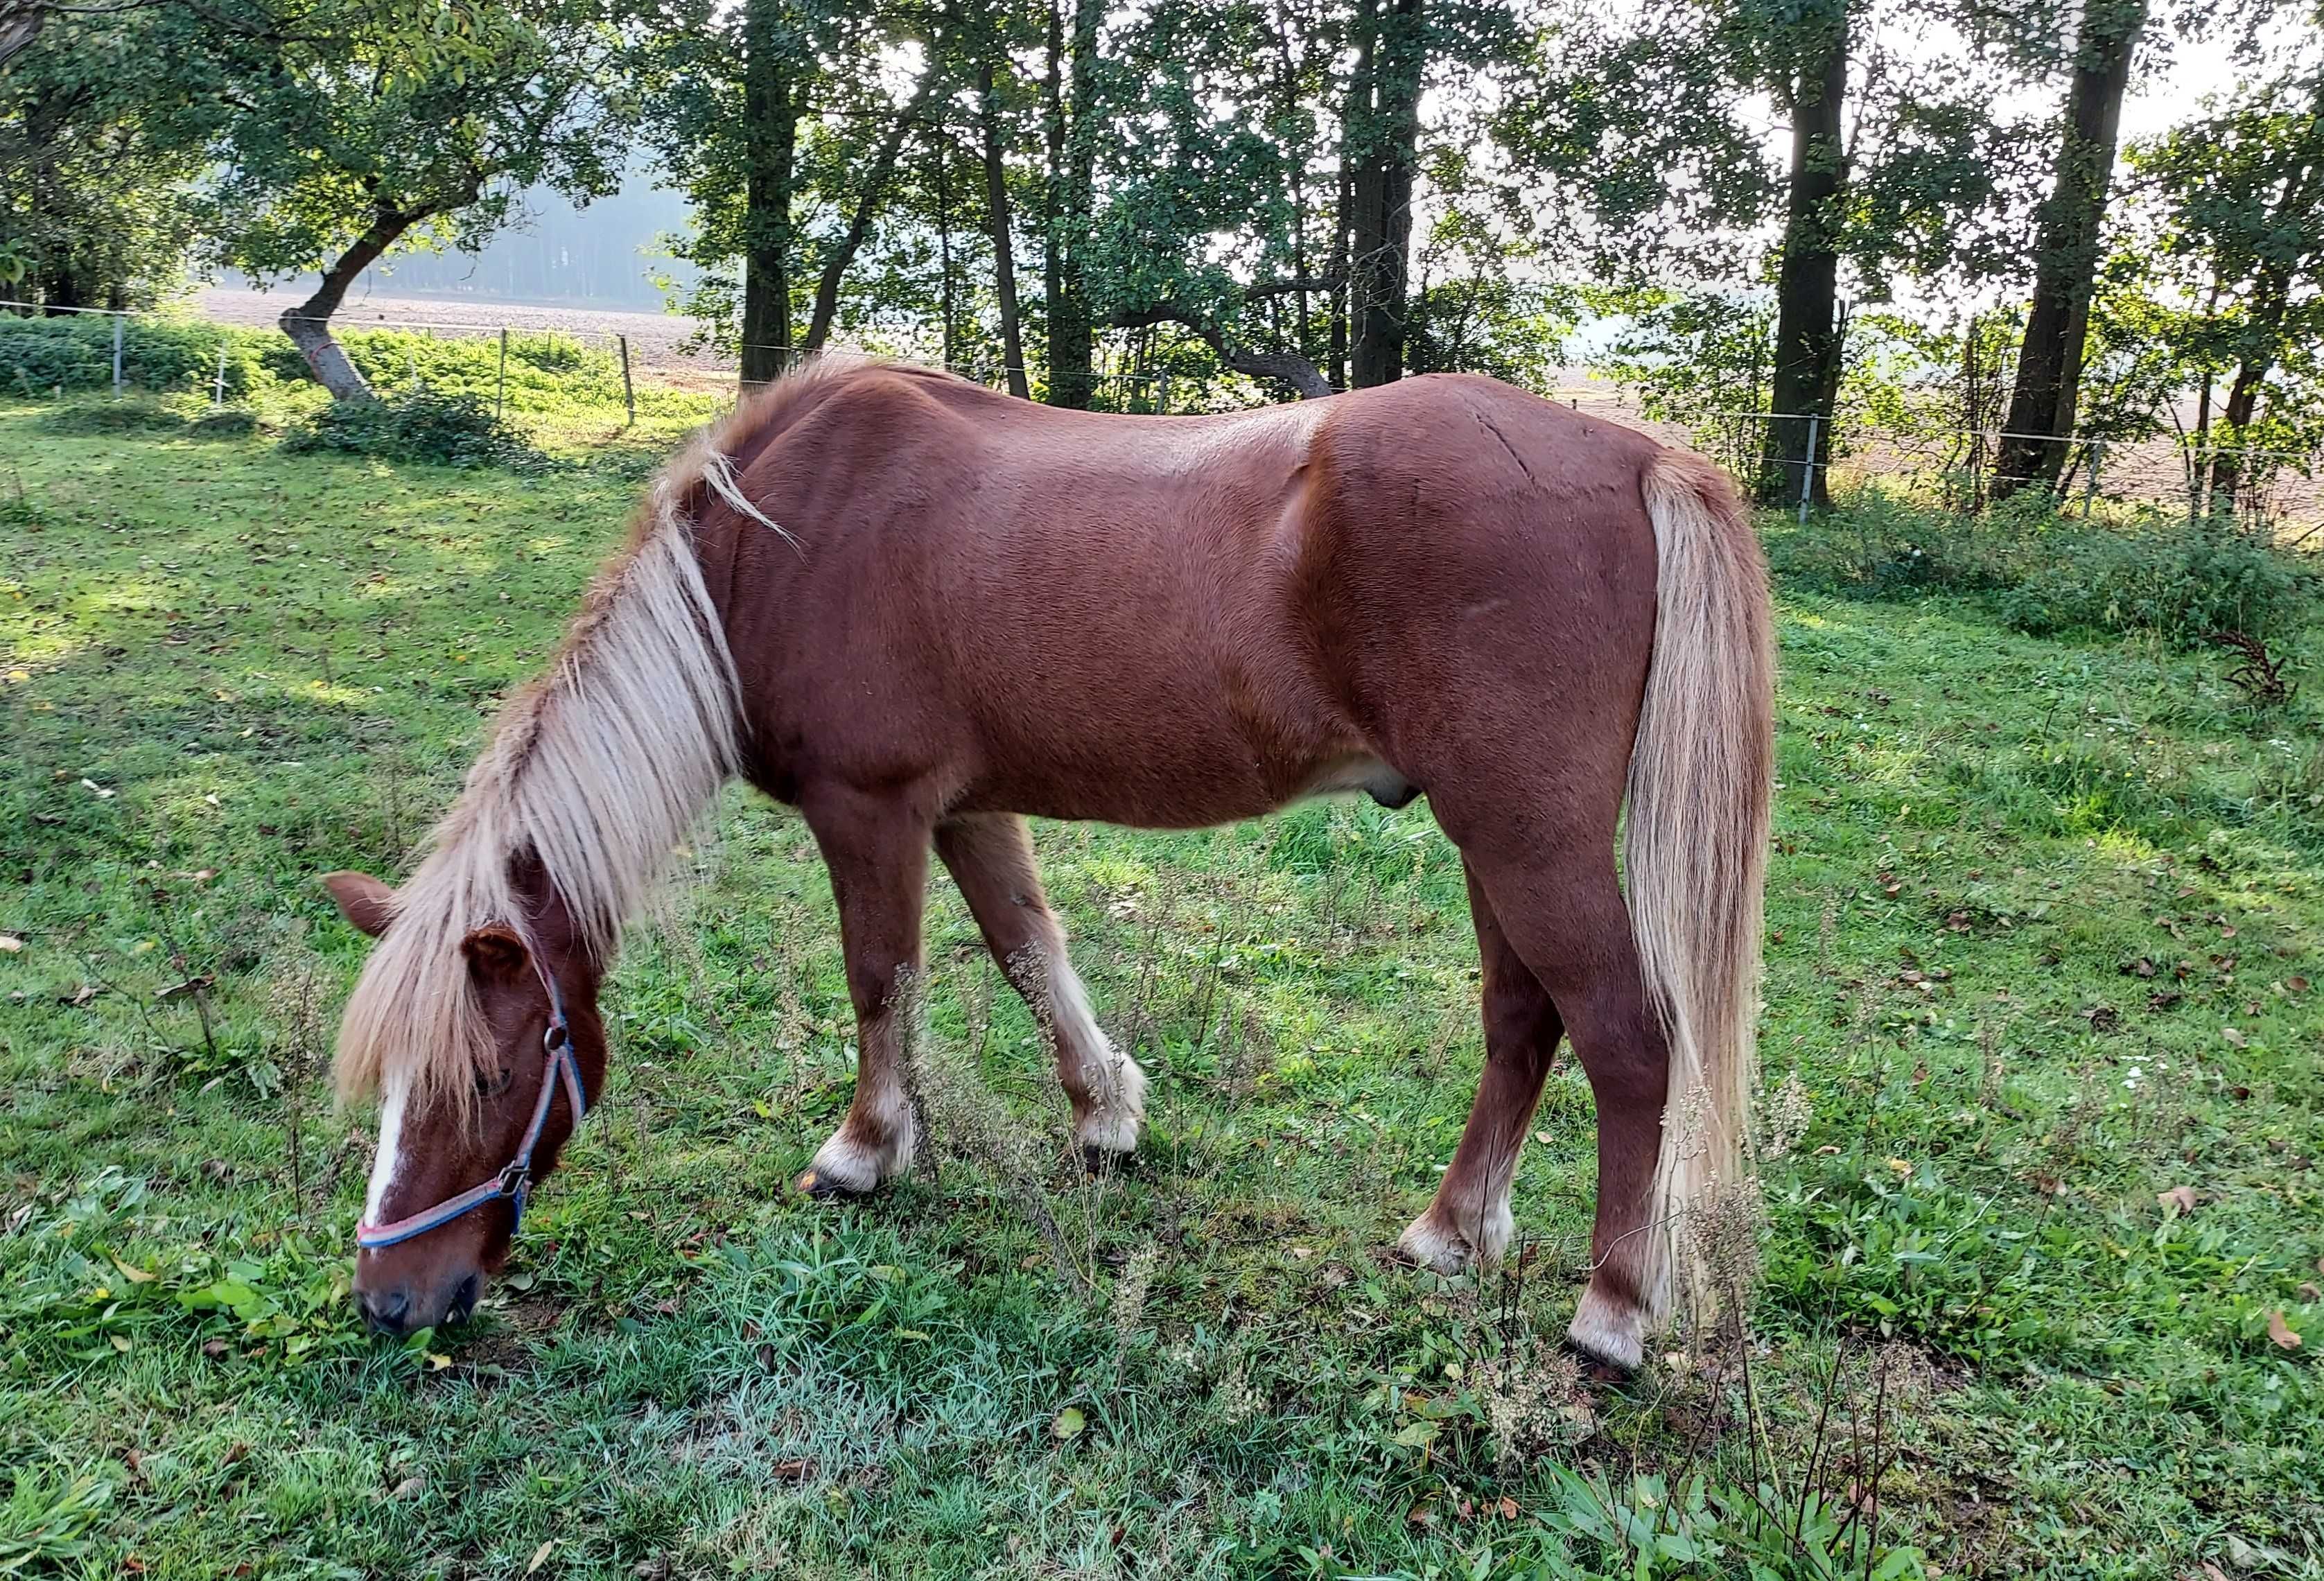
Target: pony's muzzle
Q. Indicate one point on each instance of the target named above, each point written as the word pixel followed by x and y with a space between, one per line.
pixel 399 1310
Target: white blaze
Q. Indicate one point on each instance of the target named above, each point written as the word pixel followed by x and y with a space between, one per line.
pixel 390 1156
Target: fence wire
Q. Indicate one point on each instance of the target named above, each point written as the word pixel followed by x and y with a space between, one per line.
pixel 2273 488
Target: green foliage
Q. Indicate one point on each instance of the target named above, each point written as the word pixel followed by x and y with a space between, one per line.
pixel 2022 891
pixel 162 356
pixel 448 427
pixel 2182 582
pixel 2051 574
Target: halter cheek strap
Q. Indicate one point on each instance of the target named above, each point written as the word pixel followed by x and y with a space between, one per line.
pixel 514 1182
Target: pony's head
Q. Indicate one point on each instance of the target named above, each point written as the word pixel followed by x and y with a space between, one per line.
pixel 459 1033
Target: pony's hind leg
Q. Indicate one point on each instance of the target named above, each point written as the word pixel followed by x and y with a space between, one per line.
pixel 1560 913
pixel 990 857
pixel 877 855
pixel 1469 1218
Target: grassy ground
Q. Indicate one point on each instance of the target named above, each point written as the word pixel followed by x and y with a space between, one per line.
pixel 2043 928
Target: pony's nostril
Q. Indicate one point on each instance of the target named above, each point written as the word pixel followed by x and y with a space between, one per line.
pixel 384 1311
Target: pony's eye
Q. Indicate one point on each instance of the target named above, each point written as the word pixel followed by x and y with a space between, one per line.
pixel 492 1084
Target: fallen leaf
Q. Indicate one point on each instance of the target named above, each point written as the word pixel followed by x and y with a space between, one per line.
pixel 438 1360
pixel 134 1275
pixel 541 1555
pixel 2297 985
pixel 1069 1422
pixel 2182 1197
pixel 10 943
pixel 407 1487
pixel 793 1470
pixel 2234 1037
pixel 2280 1332
pixel 2310 1291
pixel 121 1342
pixel 1508 1507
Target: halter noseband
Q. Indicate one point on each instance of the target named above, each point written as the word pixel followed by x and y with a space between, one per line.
pixel 516 1180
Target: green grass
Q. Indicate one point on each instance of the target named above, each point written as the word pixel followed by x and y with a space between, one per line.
pixel 2041 927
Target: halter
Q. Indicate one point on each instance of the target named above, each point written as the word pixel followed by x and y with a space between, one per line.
pixel 515 1180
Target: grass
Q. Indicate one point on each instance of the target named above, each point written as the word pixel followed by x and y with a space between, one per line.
pixel 2042 935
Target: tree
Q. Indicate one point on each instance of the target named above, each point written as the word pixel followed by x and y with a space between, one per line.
pixel 359 126
pixel 2238 196
pixel 1894 162
pixel 98 150
pixel 1380 129
pixel 2066 248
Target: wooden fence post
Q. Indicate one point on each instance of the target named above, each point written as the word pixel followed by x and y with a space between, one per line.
pixel 629 391
pixel 117 318
pixel 500 401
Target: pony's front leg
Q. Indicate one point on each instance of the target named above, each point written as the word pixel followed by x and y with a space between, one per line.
pixel 877 853
pixel 990 857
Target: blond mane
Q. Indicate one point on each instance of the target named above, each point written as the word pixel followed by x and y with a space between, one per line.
pixel 597 769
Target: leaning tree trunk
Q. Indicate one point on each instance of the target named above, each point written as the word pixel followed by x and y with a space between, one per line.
pixel 870 197
pixel 1004 261
pixel 1386 133
pixel 1070 96
pixel 2066 253
pixel 309 325
pixel 769 140
pixel 1806 383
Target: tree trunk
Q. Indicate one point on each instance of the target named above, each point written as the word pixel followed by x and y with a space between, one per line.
pixel 309 325
pixel 1807 282
pixel 943 247
pixel 2066 251
pixel 1071 148
pixel 1004 262
pixel 1384 130
pixel 770 142
pixel 870 197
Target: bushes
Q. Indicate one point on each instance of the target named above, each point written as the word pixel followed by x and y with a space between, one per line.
pixel 451 430
pixel 2049 575
pixel 2183 583
pixel 41 356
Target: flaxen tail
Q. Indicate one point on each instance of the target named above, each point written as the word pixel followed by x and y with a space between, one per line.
pixel 1696 851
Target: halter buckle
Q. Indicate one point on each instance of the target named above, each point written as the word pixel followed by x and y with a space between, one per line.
pixel 516 1178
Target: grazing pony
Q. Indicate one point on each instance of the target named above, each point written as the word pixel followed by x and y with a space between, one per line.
pixel 918 611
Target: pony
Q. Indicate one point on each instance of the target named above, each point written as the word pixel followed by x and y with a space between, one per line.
pixel 918 611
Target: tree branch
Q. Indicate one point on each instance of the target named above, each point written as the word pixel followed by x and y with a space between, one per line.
pixel 1281 368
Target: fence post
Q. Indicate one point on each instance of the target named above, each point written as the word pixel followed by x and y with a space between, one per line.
pixel 2090 483
pixel 218 390
pixel 500 401
pixel 1162 396
pixel 118 317
pixel 629 391
pixel 1807 465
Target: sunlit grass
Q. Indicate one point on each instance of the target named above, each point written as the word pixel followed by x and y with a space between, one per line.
pixel 2022 893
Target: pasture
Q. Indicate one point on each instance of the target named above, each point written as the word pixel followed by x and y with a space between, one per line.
pixel 2039 1269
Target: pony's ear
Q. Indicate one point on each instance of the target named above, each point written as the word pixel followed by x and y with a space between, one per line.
pixel 363 900
pixel 494 951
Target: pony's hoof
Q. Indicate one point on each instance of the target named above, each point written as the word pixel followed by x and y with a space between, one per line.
pixel 1607 1333
pixel 1425 1243
pixel 1102 1163
pixel 824 1187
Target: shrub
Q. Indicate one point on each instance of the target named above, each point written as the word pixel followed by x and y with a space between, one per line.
pixel 112 416
pixel 39 356
pixel 2050 575
pixel 448 429
pixel 2182 583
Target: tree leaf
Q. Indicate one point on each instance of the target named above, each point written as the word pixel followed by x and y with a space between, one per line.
pixel 1069 1422
pixel 2280 1332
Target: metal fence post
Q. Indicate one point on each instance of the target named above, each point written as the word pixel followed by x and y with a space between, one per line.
pixel 500 401
pixel 2090 483
pixel 629 391
pixel 218 390
pixel 1807 463
pixel 117 318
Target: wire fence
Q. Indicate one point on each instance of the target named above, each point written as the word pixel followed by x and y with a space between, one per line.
pixel 1802 461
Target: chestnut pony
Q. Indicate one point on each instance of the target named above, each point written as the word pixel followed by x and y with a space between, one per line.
pixel 918 610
